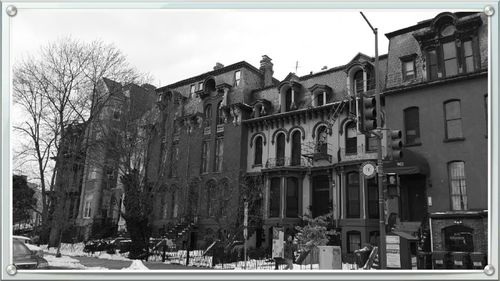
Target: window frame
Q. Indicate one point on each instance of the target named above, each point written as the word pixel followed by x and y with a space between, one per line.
pixel 296 148
pixel 219 154
pixel 280 149
pixel 274 205
pixel 408 59
pixel 237 78
pixel 290 212
pixel 446 120
pixel 462 188
pixel 350 201
pixel 406 112
pixel 350 125
pixel 349 243
pixel 258 143
pixel 205 155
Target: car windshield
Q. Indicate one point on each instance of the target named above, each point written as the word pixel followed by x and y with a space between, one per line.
pixel 20 249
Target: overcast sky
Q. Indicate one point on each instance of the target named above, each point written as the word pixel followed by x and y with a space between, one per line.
pixel 173 45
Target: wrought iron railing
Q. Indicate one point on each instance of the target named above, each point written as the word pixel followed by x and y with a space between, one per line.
pixel 286 162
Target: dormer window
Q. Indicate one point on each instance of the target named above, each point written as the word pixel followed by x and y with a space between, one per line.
pixel 321 95
pixel 193 89
pixel 200 86
pixel 320 99
pixel 408 67
pixel 237 78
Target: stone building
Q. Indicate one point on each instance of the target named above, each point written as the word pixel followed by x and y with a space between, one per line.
pixel 101 195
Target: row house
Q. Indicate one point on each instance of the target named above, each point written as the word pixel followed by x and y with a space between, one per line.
pixel 197 153
pixel 437 93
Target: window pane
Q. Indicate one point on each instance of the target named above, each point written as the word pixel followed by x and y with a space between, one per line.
pixel 454 128
pixel 292 199
pixel 450 67
pixel 449 50
pixel 468 48
pixel 412 126
pixel 458 186
pixel 432 64
pixel 258 151
pixel 353 201
pixel 452 110
pixel 448 30
pixel 296 148
pixel 274 198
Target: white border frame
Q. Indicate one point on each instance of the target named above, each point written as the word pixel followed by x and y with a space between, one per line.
pixel 493 144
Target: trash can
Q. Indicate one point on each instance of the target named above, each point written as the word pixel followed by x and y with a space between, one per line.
pixel 460 260
pixel 424 260
pixel 440 260
pixel 478 260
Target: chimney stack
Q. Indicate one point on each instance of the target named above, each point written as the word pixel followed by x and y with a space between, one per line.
pixel 266 66
pixel 218 65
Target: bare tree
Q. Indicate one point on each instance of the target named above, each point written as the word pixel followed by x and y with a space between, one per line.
pixel 60 86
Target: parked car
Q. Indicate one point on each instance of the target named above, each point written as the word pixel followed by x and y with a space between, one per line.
pixel 33 248
pixel 23 257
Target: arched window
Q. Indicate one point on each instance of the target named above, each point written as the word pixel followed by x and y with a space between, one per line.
pixel 208 115
pixel 458 238
pixel 351 138
pixel 296 148
pixel 358 82
pixel 352 204
pixel 322 140
pixel 280 149
pixel 257 159
pixel 211 198
pixel 220 114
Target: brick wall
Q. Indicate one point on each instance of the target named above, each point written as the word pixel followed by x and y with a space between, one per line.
pixel 478 224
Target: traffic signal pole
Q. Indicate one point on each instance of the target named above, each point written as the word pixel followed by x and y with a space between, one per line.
pixel 380 170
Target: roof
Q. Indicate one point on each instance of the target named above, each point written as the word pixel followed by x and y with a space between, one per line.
pixel 422 24
pixel 241 64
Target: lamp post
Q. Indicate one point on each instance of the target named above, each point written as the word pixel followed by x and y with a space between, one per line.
pixel 380 164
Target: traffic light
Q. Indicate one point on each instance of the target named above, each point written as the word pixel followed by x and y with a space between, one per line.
pixel 392 180
pixel 368 114
pixel 395 144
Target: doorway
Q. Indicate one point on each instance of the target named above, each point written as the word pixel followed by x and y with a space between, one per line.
pixel 413 203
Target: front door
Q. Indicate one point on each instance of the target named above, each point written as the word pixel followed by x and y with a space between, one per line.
pixel 413 203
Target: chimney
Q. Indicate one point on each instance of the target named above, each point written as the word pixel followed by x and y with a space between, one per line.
pixel 266 66
pixel 218 65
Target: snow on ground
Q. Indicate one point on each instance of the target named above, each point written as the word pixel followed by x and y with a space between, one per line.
pixel 68 262
pixel 136 265
pixel 76 250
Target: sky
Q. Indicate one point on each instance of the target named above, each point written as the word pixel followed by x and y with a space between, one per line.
pixel 172 45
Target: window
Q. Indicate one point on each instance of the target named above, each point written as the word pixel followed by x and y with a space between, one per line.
pixel 408 69
pixel 468 56
pixel 175 160
pixel 412 126
pixel 192 90
pixel 450 61
pixel 87 212
pixel 320 99
pixel 353 195
pixel 351 138
pixel 200 86
pixel 219 153
pixel 280 149
pixel 116 115
pixel 453 120
pixel 208 115
pixel 211 199
pixel 358 82
pixel 321 195
pixel 456 174
pixel 205 151
pixel 458 238
pixel 164 206
pixel 322 140
pixel 432 64
pixel 220 114
pixel 257 159
pixel 274 198
pixel 292 197
pixel 173 205
pixel 93 174
pixel 372 198
pixel 290 99
pixel 371 143
pixel 296 148
pixel 237 78
pixel 353 241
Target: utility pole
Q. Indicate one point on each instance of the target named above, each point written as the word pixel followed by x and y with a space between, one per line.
pixel 380 164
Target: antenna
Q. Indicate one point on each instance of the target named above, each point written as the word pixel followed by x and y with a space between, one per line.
pixel 296 66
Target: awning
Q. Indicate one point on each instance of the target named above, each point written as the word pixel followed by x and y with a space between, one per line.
pixel 411 163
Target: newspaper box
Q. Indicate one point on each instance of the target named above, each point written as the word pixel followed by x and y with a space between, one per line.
pixel 478 260
pixel 440 260
pixel 401 250
pixel 460 260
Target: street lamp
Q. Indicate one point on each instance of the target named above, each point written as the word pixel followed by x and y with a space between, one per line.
pixel 380 164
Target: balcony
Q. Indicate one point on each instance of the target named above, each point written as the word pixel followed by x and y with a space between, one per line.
pixel 273 163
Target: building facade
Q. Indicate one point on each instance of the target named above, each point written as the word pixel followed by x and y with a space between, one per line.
pixel 437 94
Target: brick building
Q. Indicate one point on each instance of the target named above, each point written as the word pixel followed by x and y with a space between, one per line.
pixel 436 92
